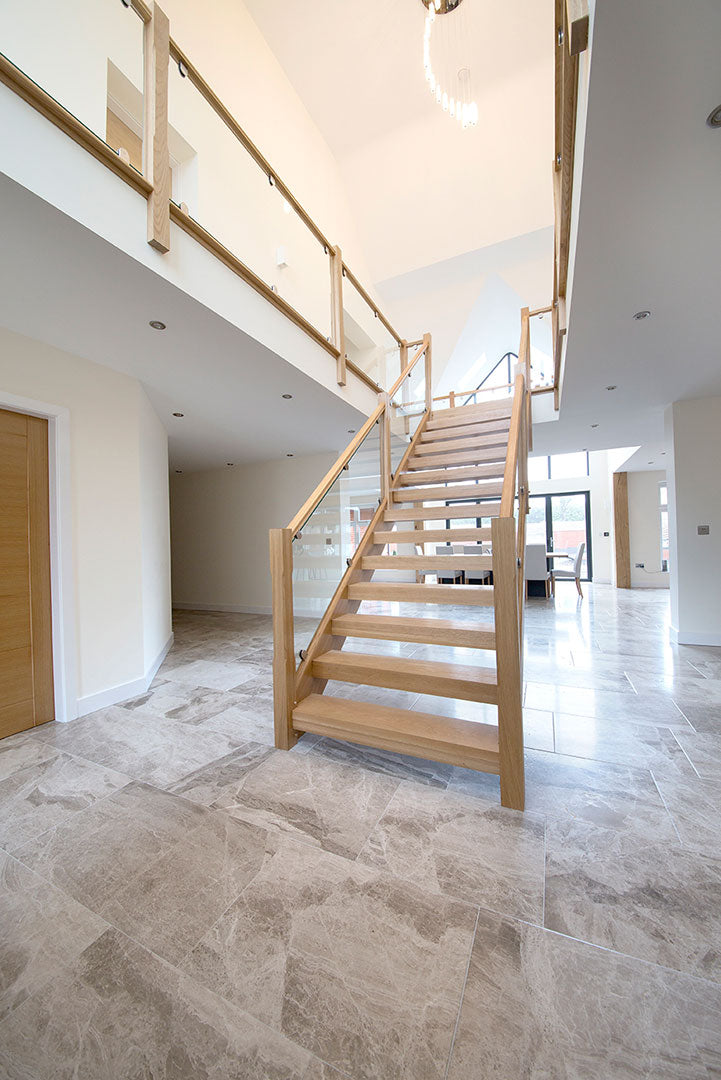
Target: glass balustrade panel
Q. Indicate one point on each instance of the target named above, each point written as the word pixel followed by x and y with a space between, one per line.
pixel 369 344
pixel 406 409
pixel 541 350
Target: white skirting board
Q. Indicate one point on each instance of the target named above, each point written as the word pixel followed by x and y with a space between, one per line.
pixel 240 609
pixel 105 698
pixel 679 637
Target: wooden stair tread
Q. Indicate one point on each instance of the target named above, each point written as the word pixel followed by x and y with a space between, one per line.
pixel 430 536
pixel 480 490
pixel 439 738
pixel 463 431
pixel 441 678
pixel 416 478
pixel 434 513
pixel 428 562
pixel 452 418
pixel 415 593
pixel 464 457
pixel 453 632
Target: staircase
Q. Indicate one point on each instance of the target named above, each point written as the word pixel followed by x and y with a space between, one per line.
pixel 460 463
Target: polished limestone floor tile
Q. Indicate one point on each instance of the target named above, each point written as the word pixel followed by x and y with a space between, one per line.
pixel 654 709
pixel 52 790
pixel 695 807
pixel 320 801
pixel 462 847
pixel 656 902
pixel 122 1013
pixel 42 930
pixel 703 751
pixel 400 766
pixel 541 1006
pixel 638 745
pixel 364 970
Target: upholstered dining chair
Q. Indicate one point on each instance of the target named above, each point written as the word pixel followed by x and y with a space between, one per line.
pixel 570 575
pixel 536 567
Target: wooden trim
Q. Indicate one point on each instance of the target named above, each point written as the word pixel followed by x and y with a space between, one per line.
pixel 404 355
pixel 510 712
pixel 540 311
pixel 156 155
pixel 542 389
pixel 281 569
pixel 385 449
pixel 566 102
pixel 371 303
pixel 333 473
pixel 39 560
pixel 208 241
pixel 509 474
pixel 141 8
pixel 363 376
pixel 577 21
pixel 48 107
pixel 336 311
pixel 621 531
pixel 404 375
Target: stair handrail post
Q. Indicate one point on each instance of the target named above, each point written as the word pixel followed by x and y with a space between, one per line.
pixel 384 426
pixel 156 153
pixel 281 569
pixel 427 342
pixel 336 311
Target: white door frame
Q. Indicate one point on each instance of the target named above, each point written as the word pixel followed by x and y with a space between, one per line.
pixel 62 575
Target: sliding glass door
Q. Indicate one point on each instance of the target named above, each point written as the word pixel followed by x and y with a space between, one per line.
pixel 562 522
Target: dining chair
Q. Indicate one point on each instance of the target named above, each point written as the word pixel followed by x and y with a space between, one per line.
pixel 536 567
pixel 575 574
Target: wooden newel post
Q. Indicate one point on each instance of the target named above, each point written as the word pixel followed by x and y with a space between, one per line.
pixel 429 372
pixel 156 155
pixel 281 570
pixel 385 446
pixel 510 714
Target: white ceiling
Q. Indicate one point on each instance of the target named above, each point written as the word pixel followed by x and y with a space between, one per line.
pixel 649 234
pixel 64 285
pixel 422 189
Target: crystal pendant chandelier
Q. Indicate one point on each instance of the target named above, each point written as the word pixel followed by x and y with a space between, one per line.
pixel 449 83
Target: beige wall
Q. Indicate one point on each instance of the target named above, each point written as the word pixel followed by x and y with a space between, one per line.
pixel 219 529
pixel 118 513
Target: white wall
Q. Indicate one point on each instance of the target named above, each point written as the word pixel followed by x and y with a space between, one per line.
pixel 220 520
pixel 118 513
pixel 693 434
pixel 644 528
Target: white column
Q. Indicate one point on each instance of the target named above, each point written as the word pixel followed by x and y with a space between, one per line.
pixel 693 435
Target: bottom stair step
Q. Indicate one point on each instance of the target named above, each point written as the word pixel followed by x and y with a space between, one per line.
pixel 438 738
pixel 468 682
pixel 469 635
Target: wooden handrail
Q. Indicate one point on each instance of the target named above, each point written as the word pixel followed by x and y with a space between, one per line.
pixel 371 303
pixel 141 8
pixel 406 372
pixel 508 493
pixel 333 473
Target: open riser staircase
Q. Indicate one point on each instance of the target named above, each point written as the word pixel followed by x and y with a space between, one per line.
pixel 466 462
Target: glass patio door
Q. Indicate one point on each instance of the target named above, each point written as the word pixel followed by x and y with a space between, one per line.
pixel 562 522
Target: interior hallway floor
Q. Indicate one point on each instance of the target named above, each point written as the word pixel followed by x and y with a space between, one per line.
pixel 180 900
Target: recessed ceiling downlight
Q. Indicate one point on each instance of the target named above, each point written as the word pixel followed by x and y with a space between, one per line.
pixel 594 425
pixel 614 387
pixel 714 118
pixel 641 315
pixel 157 324
pixel 287 396
pixel 289 455
pixel 178 414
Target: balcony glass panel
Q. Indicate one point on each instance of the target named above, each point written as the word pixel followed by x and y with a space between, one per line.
pixel 368 342
pixel 541 350
pixel 406 409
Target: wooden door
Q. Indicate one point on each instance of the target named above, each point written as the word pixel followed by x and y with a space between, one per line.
pixel 26 665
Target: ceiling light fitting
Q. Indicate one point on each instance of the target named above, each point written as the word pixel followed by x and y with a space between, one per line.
pixel 157 324
pixel 287 396
pixel 450 81
pixel 178 414
pixel 612 388
pixel 289 455
pixel 594 425
pixel 714 118
pixel 640 315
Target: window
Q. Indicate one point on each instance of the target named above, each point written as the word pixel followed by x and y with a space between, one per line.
pixel 538 468
pixel 568 466
pixel 663 514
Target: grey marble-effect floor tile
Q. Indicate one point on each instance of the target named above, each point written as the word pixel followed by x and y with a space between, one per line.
pixel 247 720
pixel 191 704
pixel 401 766
pixel 41 931
pixel 658 902
pixel 706 719
pixel 637 745
pixel 213 674
pixel 684 689
pixel 462 847
pixel 537 724
pixel 695 807
pixel 39 796
pixel 658 710
pixel 542 1006
pixel 362 969
pixel 704 752
pixel 322 802
pixel 23 750
pixel 223 776
pixel 122 1013
pixel 145 747
pixel 611 796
